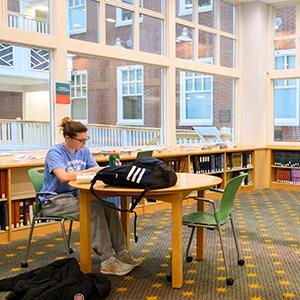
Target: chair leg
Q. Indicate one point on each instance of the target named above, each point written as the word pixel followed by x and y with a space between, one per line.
pixel 241 261
pixel 70 232
pixel 229 281
pixel 24 264
pixel 69 237
pixel 189 258
pixel 62 225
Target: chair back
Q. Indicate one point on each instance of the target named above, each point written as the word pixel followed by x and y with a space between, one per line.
pixel 227 201
pixel 37 177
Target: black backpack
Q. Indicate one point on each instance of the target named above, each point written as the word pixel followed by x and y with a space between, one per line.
pixel 145 173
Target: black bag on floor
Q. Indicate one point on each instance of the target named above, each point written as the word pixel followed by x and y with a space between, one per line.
pixel 145 173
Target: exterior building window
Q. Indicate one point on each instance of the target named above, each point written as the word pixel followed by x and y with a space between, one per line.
pixel 186 6
pixel 124 16
pixel 6 55
pixel 79 96
pixel 286 91
pixel 196 97
pixel 39 59
pixel 77 16
pixel 130 95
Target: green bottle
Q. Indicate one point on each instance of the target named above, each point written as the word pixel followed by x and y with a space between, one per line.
pixel 114 159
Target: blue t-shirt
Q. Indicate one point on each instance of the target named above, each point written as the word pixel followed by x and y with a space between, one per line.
pixel 59 157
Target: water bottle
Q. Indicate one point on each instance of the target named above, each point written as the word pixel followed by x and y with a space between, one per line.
pixel 114 159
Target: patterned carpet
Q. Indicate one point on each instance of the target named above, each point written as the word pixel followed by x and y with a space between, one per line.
pixel 268 225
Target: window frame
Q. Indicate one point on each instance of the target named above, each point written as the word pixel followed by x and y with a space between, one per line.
pixel 183 11
pixel 286 121
pixel 120 22
pixel 120 112
pixel 81 30
pixel 76 73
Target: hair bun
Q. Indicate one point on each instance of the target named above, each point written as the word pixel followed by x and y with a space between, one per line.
pixel 65 121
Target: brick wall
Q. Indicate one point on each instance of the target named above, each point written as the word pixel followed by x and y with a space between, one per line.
pixel 13 5
pixel 10 105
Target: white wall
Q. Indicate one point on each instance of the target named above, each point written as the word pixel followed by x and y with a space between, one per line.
pixel 36 106
pixel 252 115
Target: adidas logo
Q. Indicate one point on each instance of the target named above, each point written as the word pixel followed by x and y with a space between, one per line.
pixel 136 174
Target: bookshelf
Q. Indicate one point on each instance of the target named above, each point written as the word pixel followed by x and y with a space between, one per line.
pixel 285 167
pixel 17 193
pixel 226 165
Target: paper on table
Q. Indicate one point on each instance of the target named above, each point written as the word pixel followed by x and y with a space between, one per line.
pixel 85 178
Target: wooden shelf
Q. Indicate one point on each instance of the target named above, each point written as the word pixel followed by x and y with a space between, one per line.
pixel 19 187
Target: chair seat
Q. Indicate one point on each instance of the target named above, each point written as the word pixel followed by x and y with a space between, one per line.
pixel 201 218
pixel 62 217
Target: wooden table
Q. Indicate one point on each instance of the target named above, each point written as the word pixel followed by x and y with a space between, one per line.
pixel 186 183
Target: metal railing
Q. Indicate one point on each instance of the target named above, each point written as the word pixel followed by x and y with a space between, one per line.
pixel 35 24
pixel 23 135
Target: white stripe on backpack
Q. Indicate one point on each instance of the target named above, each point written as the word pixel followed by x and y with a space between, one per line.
pixel 141 175
pixel 135 174
pixel 130 173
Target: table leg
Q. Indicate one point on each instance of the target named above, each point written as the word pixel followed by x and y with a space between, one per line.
pixel 85 232
pixel 125 220
pixel 177 272
pixel 200 246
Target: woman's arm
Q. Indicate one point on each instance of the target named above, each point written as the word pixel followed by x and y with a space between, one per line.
pixel 64 176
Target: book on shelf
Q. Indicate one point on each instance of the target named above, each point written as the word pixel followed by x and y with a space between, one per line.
pixel 176 165
pixel 246 160
pixel 3 216
pixel 16 213
pixel 207 163
pixel 295 176
pixel 3 192
pixel 287 158
pixel 283 176
pixel 236 160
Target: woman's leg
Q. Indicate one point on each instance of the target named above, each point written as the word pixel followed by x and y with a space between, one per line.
pixel 67 204
pixel 102 243
pixel 63 204
pixel 115 229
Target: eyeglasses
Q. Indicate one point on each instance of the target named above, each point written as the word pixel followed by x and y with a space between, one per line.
pixel 82 141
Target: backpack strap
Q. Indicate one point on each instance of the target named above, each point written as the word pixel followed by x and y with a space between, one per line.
pixel 136 201
pixel 111 205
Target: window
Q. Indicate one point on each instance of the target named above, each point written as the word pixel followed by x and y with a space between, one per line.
pixel 6 55
pixel 79 96
pixel 39 59
pixel 286 91
pixel 186 6
pixel 131 95
pixel 125 16
pixel 77 16
pixel 285 59
pixel 196 97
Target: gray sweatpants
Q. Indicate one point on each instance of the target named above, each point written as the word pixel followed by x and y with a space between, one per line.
pixel 108 237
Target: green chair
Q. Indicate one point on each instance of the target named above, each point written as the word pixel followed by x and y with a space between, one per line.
pixel 217 218
pixel 37 178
